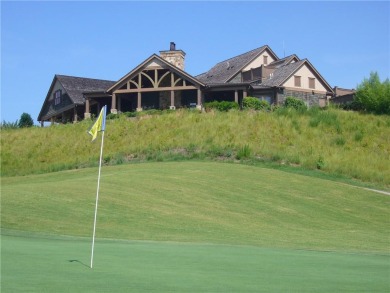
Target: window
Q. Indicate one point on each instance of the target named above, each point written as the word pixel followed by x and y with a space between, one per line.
pixel 297 81
pixel 267 99
pixel 312 83
pixel 265 60
pixel 57 97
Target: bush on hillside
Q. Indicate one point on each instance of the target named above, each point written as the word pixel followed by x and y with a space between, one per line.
pixel 112 116
pixel 221 106
pixel 295 103
pixel 351 106
pixel 130 114
pixel 255 104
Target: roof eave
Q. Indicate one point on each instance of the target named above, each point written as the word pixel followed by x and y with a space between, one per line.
pixel 47 96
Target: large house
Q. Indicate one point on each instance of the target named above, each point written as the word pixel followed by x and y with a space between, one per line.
pixel 160 82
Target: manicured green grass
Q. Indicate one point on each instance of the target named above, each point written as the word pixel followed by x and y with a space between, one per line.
pixel 200 202
pixel 47 264
pixel 192 227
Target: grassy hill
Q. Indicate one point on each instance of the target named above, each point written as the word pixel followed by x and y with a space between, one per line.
pixel 336 142
pixel 200 202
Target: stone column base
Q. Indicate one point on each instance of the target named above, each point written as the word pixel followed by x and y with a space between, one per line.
pixel 199 107
pixel 172 108
pixel 114 111
pixel 87 115
pixel 139 109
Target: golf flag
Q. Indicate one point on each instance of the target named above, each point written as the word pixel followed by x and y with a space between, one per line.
pixel 100 124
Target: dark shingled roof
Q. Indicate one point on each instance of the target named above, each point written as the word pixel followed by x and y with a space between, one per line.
pixel 282 73
pixel 226 69
pixel 283 61
pixel 76 86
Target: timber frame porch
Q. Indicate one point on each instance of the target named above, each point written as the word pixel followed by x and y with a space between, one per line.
pixel 155 83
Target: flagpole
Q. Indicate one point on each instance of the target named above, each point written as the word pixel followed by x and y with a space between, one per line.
pixel 97 198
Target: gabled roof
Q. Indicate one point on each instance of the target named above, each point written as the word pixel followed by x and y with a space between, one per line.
pixel 143 65
pixel 283 73
pixel 76 86
pixel 223 71
pixel 284 61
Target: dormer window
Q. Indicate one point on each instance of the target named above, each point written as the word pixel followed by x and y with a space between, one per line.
pixel 57 97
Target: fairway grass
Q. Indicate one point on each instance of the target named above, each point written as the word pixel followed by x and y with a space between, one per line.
pixel 192 227
pixel 200 202
pixel 57 264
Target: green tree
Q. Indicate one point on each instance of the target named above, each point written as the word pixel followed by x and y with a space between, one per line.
pixel 25 120
pixel 372 95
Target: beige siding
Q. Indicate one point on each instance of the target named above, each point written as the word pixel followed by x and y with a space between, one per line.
pixel 259 61
pixel 305 73
pixel 154 64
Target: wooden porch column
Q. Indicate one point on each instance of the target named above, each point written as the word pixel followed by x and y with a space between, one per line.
pixel 236 96
pixel 87 113
pixel 172 107
pixel 113 104
pixel 139 104
pixel 119 104
pixel 199 100
pixel 75 114
pixel 244 94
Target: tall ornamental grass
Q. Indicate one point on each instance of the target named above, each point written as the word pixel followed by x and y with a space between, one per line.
pixel 334 141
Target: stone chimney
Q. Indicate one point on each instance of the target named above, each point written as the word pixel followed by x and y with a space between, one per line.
pixel 173 56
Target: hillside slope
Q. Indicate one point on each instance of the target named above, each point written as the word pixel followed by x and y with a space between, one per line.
pixel 337 142
pixel 200 202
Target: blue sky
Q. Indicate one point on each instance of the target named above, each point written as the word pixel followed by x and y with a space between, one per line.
pixel 344 41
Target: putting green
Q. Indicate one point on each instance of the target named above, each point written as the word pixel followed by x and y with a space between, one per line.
pixel 33 263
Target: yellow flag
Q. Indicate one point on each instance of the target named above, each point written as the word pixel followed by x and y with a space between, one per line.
pixel 100 124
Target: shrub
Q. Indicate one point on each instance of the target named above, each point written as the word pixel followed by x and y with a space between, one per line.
pixel 221 106
pixel 150 112
pixel 353 106
pixel 244 152
pixel 130 114
pixel 112 116
pixel 255 104
pixel 295 103
pixel 320 164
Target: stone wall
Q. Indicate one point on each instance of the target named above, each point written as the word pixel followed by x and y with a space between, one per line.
pixel 310 99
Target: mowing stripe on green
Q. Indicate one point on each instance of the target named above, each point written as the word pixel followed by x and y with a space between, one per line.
pixel 31 264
